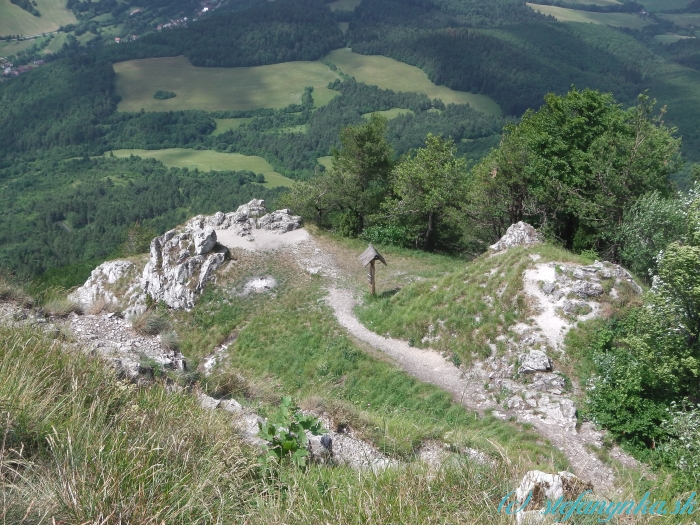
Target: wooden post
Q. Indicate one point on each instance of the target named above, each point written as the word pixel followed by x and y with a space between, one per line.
pixel 371 278
pixel 368 258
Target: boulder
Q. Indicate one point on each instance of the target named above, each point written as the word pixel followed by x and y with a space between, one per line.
pixel 544 486
pixel 181 264
pixel 280 221
pixel 586 289
pixel 114 282
pixel 518 234
pixel 204 240
pixel 534 361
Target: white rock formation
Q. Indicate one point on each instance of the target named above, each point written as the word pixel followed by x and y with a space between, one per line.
pixel 115 283
pixel 518 234
pixel 180 266
pixel 542 486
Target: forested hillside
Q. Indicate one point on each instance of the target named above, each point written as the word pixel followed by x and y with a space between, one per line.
pixel 505 50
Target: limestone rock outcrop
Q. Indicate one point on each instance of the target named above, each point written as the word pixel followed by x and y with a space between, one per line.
pixel 541 486
pixel 180 265
pixel 115 283
pixel 518 234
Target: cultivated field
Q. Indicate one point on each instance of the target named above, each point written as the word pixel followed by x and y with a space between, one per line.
pixel 10 48
pixel 683 20
pixel 207 160
pixel 16 21
pixel 390 113
pixel 344 5
pixel 388 73
pixel 608 19
pixel 663 5
pixel 670 38
pixel 216 88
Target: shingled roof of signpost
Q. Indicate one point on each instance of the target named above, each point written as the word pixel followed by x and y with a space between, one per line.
pixel 369 255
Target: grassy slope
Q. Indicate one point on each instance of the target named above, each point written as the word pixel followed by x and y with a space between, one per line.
pixel 663 5
pixel 683 20
pixel 468 307
pixel 14 20
pixel 207 160
pixel 573 15
pixel 291 343
pixel 388 73
pixel 211 89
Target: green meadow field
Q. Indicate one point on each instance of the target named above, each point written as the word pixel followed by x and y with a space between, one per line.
pixel 10 48
pixel 663 5
pixel 225 124
pixel 390 113
pixel 16 21
pixel 669 38
pixel 388 73
pixel 344 5
pixel 326 161
pixel 608 19
pixel 207 160
pixel 683 19
pixel 216 88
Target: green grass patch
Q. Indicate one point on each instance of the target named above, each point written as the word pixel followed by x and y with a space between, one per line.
pixel 344 5
pixel 225 124
pixel 213 88
pixel 293 343
pixel 663 5
pixel 388 73
pixel 79 444
pixel 390 113
pixel 11 48
pixel 326 161
pixel 683 19
pixel 208 160
pixel 562 14
pixel 467 308
pixel 16 21
pixel 670 38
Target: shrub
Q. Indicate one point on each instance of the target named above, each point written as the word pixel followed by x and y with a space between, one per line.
pixel 389 234
pixel 164 95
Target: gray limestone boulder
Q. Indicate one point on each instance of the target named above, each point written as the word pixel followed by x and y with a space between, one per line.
pixel 280 221
pixel 586 289
pixel 534 361
pixel 180 265
pixel 518 234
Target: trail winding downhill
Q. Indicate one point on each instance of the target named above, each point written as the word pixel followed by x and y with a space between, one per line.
pixel 430 366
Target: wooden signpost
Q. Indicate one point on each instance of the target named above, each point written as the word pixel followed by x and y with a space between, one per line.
pixel 368 257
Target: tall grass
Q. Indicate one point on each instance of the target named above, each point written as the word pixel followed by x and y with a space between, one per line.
pixel 95 449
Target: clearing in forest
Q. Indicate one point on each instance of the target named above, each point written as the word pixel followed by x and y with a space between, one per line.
pixel 16 21
pixel 670 38
pixel 207 160
pixel 390 113
pixel 388 73
pixel 218 88
pixel 562 14
pixel 344 5
pixel 683 19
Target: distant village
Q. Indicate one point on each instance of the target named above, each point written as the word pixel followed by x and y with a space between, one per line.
pixel 9 70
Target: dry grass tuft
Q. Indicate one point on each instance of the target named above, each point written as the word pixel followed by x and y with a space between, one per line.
pixel 62 307
pixel 150 323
